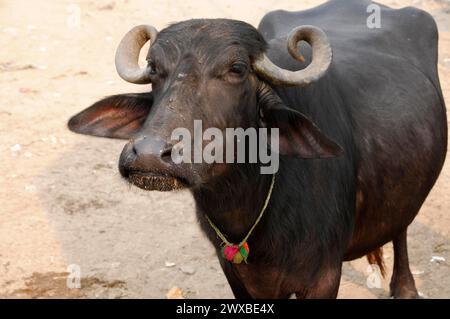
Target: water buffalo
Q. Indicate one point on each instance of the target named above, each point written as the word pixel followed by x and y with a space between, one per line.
pixel 362 136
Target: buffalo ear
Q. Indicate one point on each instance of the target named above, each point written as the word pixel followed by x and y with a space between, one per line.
pixel 118 116
pixel 298 136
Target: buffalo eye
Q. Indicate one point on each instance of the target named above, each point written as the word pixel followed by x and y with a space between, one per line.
pixel 151 67
pixel 238 69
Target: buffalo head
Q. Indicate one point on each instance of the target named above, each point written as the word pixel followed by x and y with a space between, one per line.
pixel 215 71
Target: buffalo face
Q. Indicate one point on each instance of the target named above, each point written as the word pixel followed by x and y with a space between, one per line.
pixel 213 71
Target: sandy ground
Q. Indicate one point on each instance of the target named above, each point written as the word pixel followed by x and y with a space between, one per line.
pixel 62 200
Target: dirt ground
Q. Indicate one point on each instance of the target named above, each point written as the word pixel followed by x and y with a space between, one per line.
pixel 62 200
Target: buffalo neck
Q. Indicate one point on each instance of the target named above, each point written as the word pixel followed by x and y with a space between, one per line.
pixel 233 203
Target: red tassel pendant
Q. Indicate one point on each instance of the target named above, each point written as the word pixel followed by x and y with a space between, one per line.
pixel 235 253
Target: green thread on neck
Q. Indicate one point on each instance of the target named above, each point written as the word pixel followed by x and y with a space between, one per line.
pixel 266 203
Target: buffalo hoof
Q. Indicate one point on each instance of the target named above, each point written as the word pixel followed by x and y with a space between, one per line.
pixel 404 288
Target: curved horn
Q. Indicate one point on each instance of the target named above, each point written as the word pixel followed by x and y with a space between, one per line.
pixel 321 59
pixel 127 54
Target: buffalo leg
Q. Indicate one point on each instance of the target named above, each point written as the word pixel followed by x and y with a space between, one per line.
pixel 402 281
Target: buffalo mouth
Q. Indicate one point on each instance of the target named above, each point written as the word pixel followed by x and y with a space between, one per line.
pixel 156 182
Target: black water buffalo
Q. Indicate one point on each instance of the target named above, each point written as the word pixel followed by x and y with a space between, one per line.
pixel 362 131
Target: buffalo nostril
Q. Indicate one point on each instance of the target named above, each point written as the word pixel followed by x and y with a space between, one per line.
pixel 136 142
pixel 166 154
